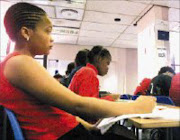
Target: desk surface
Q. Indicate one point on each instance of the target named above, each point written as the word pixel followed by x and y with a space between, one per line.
pixel 154 123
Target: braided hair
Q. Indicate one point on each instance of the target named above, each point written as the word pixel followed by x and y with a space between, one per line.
pixel 19 15
pixel 96 52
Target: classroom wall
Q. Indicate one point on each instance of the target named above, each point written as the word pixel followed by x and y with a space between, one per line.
pixel 122 74
pixel 131 70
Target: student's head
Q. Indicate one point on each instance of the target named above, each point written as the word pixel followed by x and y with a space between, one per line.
pixel 70 67
pixel 58 77
pixel 166 69
pixel 56 72
pixel 81 58
pixel 100 58
pixel 28 26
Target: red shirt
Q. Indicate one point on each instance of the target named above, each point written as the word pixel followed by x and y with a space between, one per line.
pixel 37 120
pixel 144 85
pixel 174 91
pixel 86 83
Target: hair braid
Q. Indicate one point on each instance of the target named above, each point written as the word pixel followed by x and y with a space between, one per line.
pixel 19 15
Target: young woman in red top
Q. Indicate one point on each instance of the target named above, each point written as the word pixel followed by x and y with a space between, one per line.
pixel 85 81
pixel 39 102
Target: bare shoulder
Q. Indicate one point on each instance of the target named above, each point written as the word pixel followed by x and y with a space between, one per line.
pixel 19 60
pixel 20 66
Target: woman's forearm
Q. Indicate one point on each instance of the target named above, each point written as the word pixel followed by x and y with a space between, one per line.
pixel 97 108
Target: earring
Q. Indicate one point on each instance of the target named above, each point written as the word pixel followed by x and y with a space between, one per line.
pixel 27 38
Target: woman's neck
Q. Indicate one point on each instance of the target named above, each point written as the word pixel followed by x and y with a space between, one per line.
pixel 23 49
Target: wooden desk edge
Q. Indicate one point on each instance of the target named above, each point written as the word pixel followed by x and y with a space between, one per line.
pixel 153 123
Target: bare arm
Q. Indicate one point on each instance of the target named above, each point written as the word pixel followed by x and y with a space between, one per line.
pixel 113 96
pixel 28 75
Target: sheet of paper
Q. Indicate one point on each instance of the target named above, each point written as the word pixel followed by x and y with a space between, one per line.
pixel 164 113
pixel 158 112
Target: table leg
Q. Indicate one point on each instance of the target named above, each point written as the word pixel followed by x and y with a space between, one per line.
pixel 137 133
pixel 169 135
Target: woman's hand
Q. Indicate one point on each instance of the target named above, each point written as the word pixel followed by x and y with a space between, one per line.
pixel 145 104
pixel 88 126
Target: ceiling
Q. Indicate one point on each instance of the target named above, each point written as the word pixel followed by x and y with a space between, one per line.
pixel 91 22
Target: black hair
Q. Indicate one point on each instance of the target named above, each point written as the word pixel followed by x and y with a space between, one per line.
pixel 97 51
pixel 81 57
pixel 70 67
pixel 19 15
pixel 57 76
pixel 166 69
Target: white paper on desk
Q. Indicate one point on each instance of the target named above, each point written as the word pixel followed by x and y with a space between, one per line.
pixel 163 112
pixel 106 123
pixel 110 120
pixel 158 112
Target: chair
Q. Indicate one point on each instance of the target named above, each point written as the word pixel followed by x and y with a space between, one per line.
pixel 164 100
pixel 125 96
pixel 18 135
pixel 134 97
pixel 160 99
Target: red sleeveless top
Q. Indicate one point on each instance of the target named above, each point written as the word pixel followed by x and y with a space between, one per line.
pixel 37 120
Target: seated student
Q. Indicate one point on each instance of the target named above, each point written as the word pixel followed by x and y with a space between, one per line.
pixel 64 80
pixel 166 69
pixel 160 84
pixel 80 61
pixel 143 87
pixel 58 77
pixel 174 92
pixel 85 81
pixel 40 103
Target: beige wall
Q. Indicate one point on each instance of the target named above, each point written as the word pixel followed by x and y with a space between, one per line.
pixel 131 70
pixel 122 75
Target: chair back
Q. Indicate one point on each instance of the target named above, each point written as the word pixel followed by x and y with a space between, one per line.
pixel 18 135
pixel 160 99
pixel 125 96
pixel 164 100
pixel 134 97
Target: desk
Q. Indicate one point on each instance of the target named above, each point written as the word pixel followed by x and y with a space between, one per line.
pixel 156 123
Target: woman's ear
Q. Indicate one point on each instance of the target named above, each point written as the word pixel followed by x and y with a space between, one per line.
pixel 26 33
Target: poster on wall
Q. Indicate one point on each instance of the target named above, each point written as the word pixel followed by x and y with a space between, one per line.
pixel 161 57
pixel 162 53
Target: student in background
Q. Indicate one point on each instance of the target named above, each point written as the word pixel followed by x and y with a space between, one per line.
pixel 142 89
pixel 65 78
pixel 56 72
pixel 166 70
pixel 85 82
pixel 80 61
pixel 39 102
pixel 160 84
pixel 58 77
